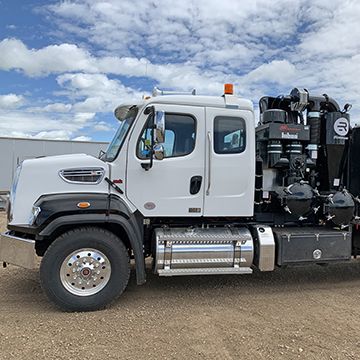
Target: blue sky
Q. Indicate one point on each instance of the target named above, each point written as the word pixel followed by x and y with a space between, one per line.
pixel 66 65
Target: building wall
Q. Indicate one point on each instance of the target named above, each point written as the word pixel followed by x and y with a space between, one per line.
pixel 14 150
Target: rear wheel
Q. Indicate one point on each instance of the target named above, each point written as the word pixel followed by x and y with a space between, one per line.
pixel 85 269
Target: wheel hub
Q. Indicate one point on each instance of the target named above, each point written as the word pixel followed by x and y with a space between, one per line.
pixel 85 272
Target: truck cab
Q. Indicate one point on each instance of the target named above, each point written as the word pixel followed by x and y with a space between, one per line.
pixel 208 155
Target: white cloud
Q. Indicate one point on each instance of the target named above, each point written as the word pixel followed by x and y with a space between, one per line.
pixel 82 138
pixel 94 93
pixel 167 31
pixel 102 127
pixel 70 58
pixel 40 125
pixel 83 118
pixel 95 104
pixel 56 108
pixel 50 59
pixel 275 72
pixel 12 101
pixel 53 135
pixel 334 33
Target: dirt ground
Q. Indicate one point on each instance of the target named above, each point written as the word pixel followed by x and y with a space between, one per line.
pixel 305 312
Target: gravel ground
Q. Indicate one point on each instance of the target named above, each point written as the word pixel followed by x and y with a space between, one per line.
pixel 308 312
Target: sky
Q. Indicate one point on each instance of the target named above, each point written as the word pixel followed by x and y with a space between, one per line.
pixel 66 65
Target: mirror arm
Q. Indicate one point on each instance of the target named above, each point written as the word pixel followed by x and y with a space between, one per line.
pixel 148 166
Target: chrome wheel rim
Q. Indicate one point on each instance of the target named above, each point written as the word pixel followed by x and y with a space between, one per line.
pixel 85 272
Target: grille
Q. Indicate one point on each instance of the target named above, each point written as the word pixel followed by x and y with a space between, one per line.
pixel 83 175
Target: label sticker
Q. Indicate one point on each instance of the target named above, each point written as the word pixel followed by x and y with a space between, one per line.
pixel 341 126
pixel 286 135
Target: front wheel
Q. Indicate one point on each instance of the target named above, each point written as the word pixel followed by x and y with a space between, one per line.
pixel 85 269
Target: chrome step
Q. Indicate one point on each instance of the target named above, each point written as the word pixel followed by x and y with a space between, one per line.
pixel 205 271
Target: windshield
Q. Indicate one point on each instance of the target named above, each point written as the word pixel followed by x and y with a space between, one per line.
pixel 125 123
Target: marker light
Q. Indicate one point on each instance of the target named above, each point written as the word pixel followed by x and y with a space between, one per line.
pixel 228 89
pixel 83 205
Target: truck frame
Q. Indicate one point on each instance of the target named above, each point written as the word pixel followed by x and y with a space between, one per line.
pixel 194 183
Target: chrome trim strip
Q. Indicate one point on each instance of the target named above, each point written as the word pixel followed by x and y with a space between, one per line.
pixel 209 170
pixel 206 271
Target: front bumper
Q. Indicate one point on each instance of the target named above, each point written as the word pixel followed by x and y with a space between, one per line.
pixel 17 251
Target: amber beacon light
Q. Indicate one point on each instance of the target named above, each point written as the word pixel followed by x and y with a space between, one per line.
pixel 228 89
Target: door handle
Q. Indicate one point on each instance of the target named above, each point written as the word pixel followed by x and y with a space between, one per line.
pixel 195 184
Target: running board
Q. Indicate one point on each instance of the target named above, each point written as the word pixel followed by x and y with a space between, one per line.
pixel 205 271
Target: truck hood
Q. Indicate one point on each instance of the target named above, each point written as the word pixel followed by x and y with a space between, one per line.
pixel 52 175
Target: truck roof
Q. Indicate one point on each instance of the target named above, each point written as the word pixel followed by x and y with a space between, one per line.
pixel 225 101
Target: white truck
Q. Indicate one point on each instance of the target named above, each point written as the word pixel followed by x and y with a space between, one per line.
pixel 194 183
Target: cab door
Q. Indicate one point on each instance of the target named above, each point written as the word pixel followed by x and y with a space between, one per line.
pixel 173 186
pixel 230 162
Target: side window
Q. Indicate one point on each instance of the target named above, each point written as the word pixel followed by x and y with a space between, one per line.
pixel 179 137
pixel 229 135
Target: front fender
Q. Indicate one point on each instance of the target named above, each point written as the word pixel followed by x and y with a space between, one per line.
pixel 60 212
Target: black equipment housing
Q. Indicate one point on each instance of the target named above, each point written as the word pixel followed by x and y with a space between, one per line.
pixel 310 168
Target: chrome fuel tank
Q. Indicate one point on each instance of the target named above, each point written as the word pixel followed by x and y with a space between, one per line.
pixel 191 251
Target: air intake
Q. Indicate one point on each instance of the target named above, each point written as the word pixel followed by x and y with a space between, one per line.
pixel 83 175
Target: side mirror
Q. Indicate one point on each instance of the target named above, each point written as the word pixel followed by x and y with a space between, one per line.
pixel 158 152
pixel 159 121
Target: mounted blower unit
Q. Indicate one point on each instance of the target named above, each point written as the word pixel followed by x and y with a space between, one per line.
pixel 302 143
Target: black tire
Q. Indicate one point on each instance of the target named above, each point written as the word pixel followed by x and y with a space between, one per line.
pixel 85 269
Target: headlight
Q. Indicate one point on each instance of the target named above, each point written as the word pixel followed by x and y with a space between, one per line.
pixel 10 209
